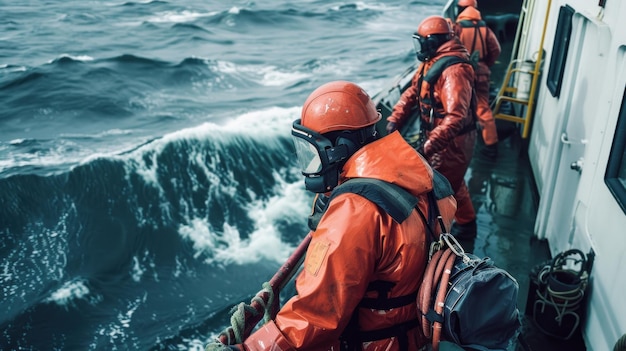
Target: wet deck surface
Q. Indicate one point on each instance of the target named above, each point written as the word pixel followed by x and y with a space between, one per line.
pixel 505 198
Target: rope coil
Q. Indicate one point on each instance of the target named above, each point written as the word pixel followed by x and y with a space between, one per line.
pixel 239 312
pixel 560 294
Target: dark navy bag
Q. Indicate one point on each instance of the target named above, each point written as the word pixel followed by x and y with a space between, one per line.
pixel 480 311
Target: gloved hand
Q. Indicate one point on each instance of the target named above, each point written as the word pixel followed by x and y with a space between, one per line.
pixel 427 149
pixel 435 160
pixel 218 346
pixel 391 127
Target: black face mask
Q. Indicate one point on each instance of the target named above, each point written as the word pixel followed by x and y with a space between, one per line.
pixel 426 47
pixel 321 160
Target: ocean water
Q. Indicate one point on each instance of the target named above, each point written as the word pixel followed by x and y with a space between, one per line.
pixel 147 178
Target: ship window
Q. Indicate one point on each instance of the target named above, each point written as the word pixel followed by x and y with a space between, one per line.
pixel 559 50
pixel 615 177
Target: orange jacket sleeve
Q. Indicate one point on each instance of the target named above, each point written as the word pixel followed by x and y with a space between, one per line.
pixel 338 266
pixel 407 103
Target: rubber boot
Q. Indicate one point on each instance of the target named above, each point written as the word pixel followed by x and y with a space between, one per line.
pixel 490 152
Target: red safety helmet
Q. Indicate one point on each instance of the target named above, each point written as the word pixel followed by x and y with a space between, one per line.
pixel 466 3
pixel 337 119
pixel 338 105
pixel 432 32
pixel 433 25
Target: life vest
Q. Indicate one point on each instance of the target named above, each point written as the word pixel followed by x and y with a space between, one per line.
pixel 427 104
pixel 479 46
pixel 399 204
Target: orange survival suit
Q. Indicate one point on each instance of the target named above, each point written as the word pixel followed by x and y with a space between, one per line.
pixel 355 245
pixel 484 41
pixel 447 120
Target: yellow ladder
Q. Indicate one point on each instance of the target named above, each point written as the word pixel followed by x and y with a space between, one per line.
pixel 521 72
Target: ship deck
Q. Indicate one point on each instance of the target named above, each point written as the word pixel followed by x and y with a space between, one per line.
pixel 505 199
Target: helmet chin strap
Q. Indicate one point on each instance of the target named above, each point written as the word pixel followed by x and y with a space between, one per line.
pixel 324 182
pixel 356 139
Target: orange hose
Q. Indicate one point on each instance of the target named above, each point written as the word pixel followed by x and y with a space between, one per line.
pixel 425 292
pixel 441 296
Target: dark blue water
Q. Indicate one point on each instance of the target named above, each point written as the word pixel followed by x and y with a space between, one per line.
pixel 147 177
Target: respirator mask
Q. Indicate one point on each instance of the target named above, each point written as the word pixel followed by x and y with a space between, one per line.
pixel 321 159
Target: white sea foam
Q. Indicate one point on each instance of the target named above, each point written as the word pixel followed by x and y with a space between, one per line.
pixel 264 124
pixel 10 68
pixel 117 332
pixel 224 245
pixel 136 270
pixel 51 153
pixel 362 6
pixel 264 242
pixel 18 141
pixel 272 120
pixel 179 16
pixel 74 57
pixel 267 75
pixel 272 76
pixel 74 289
pixel 98 135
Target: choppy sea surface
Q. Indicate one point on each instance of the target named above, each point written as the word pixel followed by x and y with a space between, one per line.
pixel 147 176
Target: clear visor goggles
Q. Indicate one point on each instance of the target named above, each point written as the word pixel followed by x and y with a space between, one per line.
pixel 315 152
pixel 418 42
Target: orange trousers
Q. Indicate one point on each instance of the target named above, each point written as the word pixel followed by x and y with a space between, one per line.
pixel 455 161
pixel 485 116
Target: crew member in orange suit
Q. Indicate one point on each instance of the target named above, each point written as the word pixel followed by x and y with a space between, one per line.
pixel 481 40
pixel 447 126
pixel 362 269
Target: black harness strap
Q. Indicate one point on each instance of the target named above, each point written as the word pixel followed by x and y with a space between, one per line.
pixel 394 200
pixel 433 73
pixel 441 187
pixel 383 302
pixel 400 331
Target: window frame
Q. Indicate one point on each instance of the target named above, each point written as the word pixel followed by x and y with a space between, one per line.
pixel 617 159
pixel 560 49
